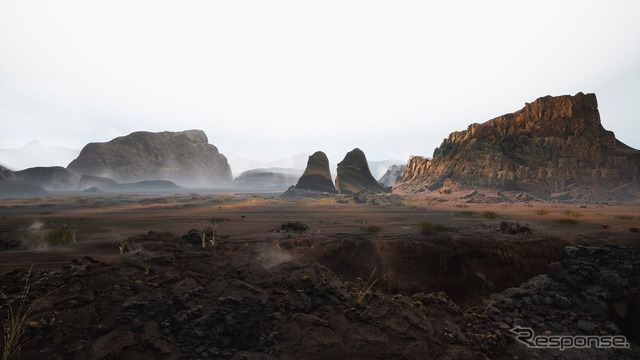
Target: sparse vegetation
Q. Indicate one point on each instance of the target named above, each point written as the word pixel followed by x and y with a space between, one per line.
pixel 55 234
pixel 15 321
pixel 462 206
pixel 489 214
pixel 372 229
pixel 218 219
pixel 427 227
pixel 541 212
pixel 465 213
pixel 567 221
pixel 364 287
pixel 572 213
pixel 626 217
pixel 360 221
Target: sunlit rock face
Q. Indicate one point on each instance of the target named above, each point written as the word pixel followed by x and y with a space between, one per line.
pixel 185 158
pixel 554 144
pixel 317 175
pixel 354 175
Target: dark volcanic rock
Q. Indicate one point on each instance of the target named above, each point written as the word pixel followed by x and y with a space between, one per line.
pixel 393 175
pixel 49 178
pixel 555 144
pixel 317 176
pixel 185 158
pixel 594 290
pixel 354 175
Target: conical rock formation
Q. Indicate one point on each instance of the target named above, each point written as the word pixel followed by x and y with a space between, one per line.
pixel 354 175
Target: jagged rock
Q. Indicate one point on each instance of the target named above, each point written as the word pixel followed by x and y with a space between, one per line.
pixel 354 175
pixel 592 291
pixel 553 145
pixel 50 178
pixel 317 176
pixel 185 158
pixel 393 174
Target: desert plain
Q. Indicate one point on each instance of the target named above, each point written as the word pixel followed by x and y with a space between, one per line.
pixel 222 246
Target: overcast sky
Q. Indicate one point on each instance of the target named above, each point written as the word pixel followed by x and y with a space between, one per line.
pixel 269 79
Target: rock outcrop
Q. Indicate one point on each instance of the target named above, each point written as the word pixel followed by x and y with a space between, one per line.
pixel 53 178
pixel 552 145
pixel 354 175
pixel 393 174
pixel 185 158
pixel 317 175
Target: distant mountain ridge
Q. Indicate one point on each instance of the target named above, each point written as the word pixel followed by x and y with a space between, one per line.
pixel 37 154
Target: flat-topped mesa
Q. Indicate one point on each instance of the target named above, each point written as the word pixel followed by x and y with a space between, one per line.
pixel 354 175
pixel 551 145
pixel 317 175
pixel 185 158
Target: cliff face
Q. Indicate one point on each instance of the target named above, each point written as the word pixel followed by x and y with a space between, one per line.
pixel 553 144
pixel 185 158
pixel 354 175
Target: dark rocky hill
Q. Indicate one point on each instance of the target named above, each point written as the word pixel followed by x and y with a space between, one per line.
pixel 317 175
pixel 185 158
pixel 354 175
pixel 266 179
pixel 555 144
pixel 54 178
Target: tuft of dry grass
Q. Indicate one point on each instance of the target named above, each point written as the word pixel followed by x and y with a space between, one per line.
pixel 541 212
pixel 567 221
pixel 572 213
pixel 364 287
pixel 13 325
pixel 489 214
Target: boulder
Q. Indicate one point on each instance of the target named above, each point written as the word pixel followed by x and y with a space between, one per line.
pixel 185 158
pixel 354 175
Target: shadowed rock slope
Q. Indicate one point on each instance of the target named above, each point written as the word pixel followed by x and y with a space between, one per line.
pixel 54 178
pixel 354 175
pixel 185 158
pixel 317 175
pixel 555 144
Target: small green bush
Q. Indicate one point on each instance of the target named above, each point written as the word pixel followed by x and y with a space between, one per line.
pixel 465 213
pixel 489 214
pixel 372 229
pixel 626 217
pixel 572 213
pixel 427 227
pixel 567 221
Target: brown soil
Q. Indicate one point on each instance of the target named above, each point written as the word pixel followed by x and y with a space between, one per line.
pixel 257 271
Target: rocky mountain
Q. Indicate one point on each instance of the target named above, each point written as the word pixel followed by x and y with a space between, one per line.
pixel 379 167
pixel 266 179
pixel 185 158
pixel 393 174
pixel 554 144
pixel 354 175
pixel 317 175
pixel 240 164
pixel 53 178
pixel 36 154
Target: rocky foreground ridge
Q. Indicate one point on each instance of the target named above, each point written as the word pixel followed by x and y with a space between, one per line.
pixel 555 144
pixel 185 158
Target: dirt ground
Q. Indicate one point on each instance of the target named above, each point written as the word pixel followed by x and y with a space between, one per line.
pixel 405 259
pixel 466 256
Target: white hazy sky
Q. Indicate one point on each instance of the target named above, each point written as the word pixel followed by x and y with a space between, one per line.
pixel 269 79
